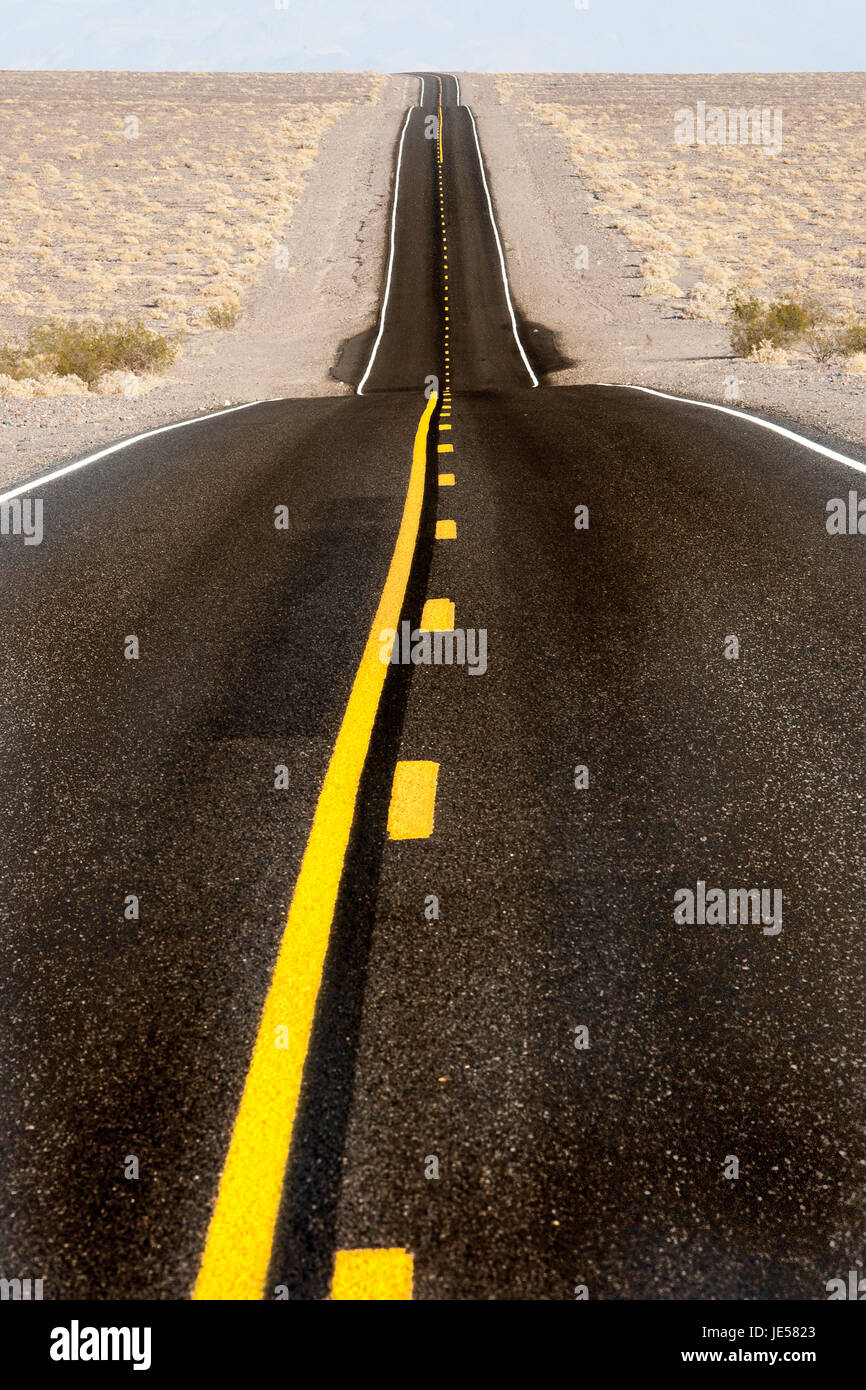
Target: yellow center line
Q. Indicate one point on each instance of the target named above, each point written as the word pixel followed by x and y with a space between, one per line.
pixel 238 1248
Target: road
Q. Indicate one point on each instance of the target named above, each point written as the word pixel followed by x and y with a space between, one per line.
pixel 505 1071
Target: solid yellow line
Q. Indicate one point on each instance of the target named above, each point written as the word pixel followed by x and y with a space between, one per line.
pixel 413 801
pixel 446 530
pixel 372 1275
pixel 437 615
pixel 238 1248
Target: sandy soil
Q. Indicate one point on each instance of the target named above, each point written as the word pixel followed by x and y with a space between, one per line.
pixel 294 318
pixel 606 328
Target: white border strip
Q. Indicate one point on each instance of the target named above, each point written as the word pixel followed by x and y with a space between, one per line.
pixel 360 388
pixel 114 448
pixel 743 415
pixel 532 375
pixel 457 81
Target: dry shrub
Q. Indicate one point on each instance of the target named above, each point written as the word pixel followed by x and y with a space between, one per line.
pixel 852 339
pixel 223 315
pixel 705 301
pixel 124 384
pixel 766 351
pixel 655 287
pixel 756 324
pixel 86 351
pixel 28 387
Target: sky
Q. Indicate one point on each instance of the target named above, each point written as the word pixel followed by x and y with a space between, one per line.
pixel 459 35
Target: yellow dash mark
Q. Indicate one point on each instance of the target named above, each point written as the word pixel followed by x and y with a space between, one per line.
pixel 444 427
pixel 362 1276
pixel 438 615
pixel 446 479
pixel 445 448
pixel 413 801
pixel 239 1240
pixel 446 530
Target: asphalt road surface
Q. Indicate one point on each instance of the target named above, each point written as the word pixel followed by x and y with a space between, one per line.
pixel 520 1077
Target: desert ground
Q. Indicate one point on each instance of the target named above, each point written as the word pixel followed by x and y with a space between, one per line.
pixel 265 196
pixel 244 216
pixel 624 242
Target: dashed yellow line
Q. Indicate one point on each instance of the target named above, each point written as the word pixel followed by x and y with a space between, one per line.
pixel 413 801
pixel 372 1275
pixel 439 80
pixel 446 479
pixel 239 1240
pixel 443 223
pixel 445 448
pixel 446 530
pixel 437 615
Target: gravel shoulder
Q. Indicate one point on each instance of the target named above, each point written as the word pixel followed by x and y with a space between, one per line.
pixel 294 319
pixel 603 329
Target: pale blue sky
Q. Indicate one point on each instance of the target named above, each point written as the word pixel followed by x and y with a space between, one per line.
pixel 395 35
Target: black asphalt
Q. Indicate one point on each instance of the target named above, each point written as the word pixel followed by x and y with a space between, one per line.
pixel 156 778
pixel 451 1039
pixel 604 1166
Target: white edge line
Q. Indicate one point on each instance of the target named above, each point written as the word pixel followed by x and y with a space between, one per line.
pixel 532 375
pixel 421 102
pixel 744 415
pixel 114 448
pixel 457 81
pixel 360 388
